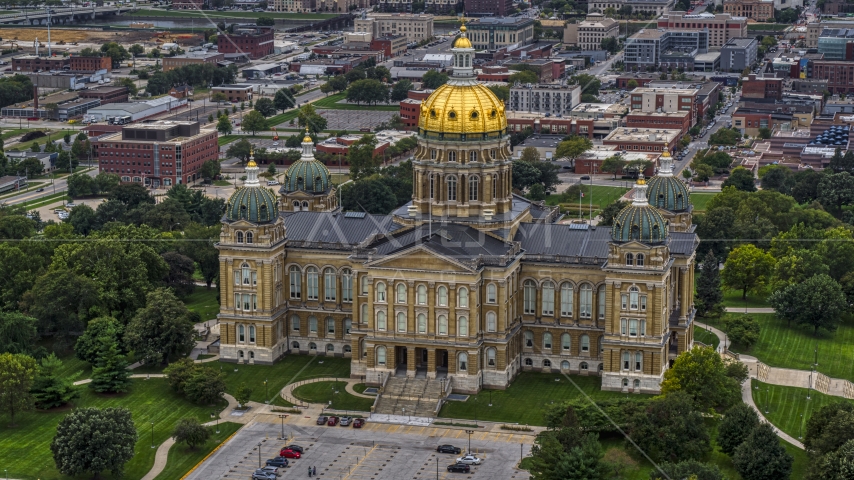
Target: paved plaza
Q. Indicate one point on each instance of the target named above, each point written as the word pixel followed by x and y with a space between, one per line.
pixel 375 452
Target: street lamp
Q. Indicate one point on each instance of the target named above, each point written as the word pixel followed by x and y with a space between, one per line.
pixel 490 398
pixel 266 392
pixel 215 416
pixel 259 454
pixel 469 432
pixel 283 426
pixel 152 434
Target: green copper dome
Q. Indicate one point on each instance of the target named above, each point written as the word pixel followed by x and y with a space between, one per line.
pixel 639 221
pixel 306 174
pixel 666 191
pixel 252 202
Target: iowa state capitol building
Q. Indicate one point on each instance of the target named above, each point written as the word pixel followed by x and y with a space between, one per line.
pixel 467 281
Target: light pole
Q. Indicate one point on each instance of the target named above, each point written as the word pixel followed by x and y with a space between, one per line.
pixel 437 468
pixel 767 398
pixel 490 398
pixel 266 392
pixel 469 432
pixel 259 454
pixel 283 426
pixel 152 434
pixel 215 416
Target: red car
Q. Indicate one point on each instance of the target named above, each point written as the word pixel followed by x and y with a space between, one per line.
pixel 358 422
pixel 288 453
pixel 332 421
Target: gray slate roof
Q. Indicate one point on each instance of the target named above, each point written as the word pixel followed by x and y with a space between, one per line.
pixel 335 228
pixel 683 243
pixel 449 240
pixel 560 239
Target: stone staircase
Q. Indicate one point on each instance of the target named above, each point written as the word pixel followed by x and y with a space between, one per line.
pixel 417 397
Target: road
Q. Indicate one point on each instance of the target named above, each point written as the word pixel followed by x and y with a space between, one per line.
pixel 59 185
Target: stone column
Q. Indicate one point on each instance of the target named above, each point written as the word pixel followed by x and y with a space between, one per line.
pixel 410 362
pixel 431 363
pixel 410 300
pixel 452 312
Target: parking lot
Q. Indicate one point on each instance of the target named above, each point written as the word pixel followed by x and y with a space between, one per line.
pixel 375 452
pixel 354 119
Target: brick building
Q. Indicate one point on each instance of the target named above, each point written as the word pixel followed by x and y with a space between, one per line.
pixel 839 75
pixel 192 58
pixel 91 64
pixel 762 88
pixel 656 120
pixel 391 45
pixel 721 27
pixel 414 27
pixel 642 79
pixel 157 154
pixel 495 8
pixel 410 107
pixel 643 140
pixel 32 63
pixel 187 4
pixel 251 40
pixel 650 99
pixel 234 93
pixel 106 94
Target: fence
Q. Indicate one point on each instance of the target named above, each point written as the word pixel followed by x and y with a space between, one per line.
pixel 762 371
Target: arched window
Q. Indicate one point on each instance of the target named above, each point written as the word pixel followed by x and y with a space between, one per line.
pixel 463 297
pixel 422 295
pixel 241 334
pixel 381 320
pixel 464 360
pixel 452 188
pixel 529 339
pixel 422 323
pixel 330 325
pixel 330 348
pixel 312 324
pixel 381 292
pixel 473 153
pixel 600 294
pixel 401 322
pixel 239 237
pixel 296 206
pixel 566 300
pixel 442 294
pixel 462 327
pixel 529 362
pixel 634 295
pixel 625 382
pixel 295 323
pixel 363 318
pixel 347 285
pixel 548 298
pixel 565 342
pixel 246 273
pixel 251 333
pixel 638 361
pixel 381 355
pixel 311 280
pixel 547 363
pixel 443 325
pixel 329 285
pixel 401 293
pixel 530 297
pixel 490 357
pixel 547 341
pixel 490 322
pixel 362 347
pixel 586 301
pixel 240 354
pixel 564 365
pixel 491 295
pixel 295 345
pixel 348 349
pixel 640 259
pixel 473 184
pixel 249 240
pixel 626 360
pixel 583 366
pixel 630 259
pixel 585 343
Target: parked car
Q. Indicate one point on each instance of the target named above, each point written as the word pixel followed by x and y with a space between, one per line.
pixel 459 468
pixel 70 205
pixel 357 423
pixel 469 460
pixel 278 462
pixel 321 420
pixel 332 421
pixel 346 421
pixel 448 449
pixel 585 177
pixel 295 448
pixel 268 469
pixel 289 453
pixel 263 476
pixel 40 190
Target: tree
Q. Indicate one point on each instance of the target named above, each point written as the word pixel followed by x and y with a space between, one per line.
pixel 283 100
pixel 308 117
pixel 590 84
pixel 826 428
pixel 742 179
pixel 689 469
pixel 632 84
pixel 115 51
pixel 132 195
pixel 106 182
pixel 17 372
pixel 613 164
pixel 88 346
pixel 191 432
pixel 240 149
pixel 205 386
pixel 242 395
pixel 737 424
pixel 81 185
pixel 702 374
pixel 136 49
pixel 91 440
pixel 607 215
pixel 62 301
pixel 202 250
pixel 82 218
pixel 501 91
pixel 573 147
pixel 160 330
pixel 836 190
pixel 401 90
pixel 761 457
pixel 129 84
pixel 210 170
pixel 530 155
pixel 777 177
pixel 818 302
pixel 743 330
pixel 709 298
pixel 523 77
pixel 265 107
pixel 837 465
pixel 610 44
pixel 670 429
pixel 370 195
pixel 433 79
pixel 223 125
pixel 265 21
pixel 368 91
pixel 110 373
pixel 764 133
pixel 18 332
pixel 254 122
pixel 218 97
pixel 524 175
pixel 360 155
pixel 50 389
pixel 747 269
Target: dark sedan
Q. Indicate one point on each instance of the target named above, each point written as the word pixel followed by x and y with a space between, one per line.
pixel 448 449
pixel 278 462
pixel 459 468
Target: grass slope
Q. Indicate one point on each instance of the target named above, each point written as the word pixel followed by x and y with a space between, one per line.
pixel 292 368
pixel 525 399
pixel 324 392
pixel 732 298
pixel 707 337
pixel 700 200
pixel 25 449
pixel 600 196
pixel 203 301
pixel 331 102
pixel 181 458
pixel 788 408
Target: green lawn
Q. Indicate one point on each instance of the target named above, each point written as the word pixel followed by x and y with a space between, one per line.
pixel 707 337
pixel 226 139
pixel 794 347
pixel 46 200
pixel 230 14
pixel 15 132
pixel 360 388
pixel 221 183
pixel 324 392
pixel 25 449
pixel 524 400
pixel 181 458
pixel 282 117
pixel 203 301
pixel 599 196
pixel 732 298
pixel 331 102
pixel 292 368
pixel 788 408
pixel 699 200
pixel 52 135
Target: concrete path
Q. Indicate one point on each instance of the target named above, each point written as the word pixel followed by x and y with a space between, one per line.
pixel 749 309
pixel 135 375
pixel 747 397
pixel 287 392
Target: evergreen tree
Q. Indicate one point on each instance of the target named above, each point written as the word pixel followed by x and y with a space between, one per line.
pixel 739 421
pixel 761 457
pixel 91 440
pixel 709 300
pixel 111 372
pixel 49 389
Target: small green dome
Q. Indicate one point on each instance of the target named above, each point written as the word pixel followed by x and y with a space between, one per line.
pixel 640 221
pixel 253 203
pixel 668 193
pixel 309 176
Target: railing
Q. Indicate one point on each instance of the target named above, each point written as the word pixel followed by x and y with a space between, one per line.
pixel 379 393
pixel 446 390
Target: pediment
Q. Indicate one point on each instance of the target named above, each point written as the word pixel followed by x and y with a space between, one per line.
pixel 420 258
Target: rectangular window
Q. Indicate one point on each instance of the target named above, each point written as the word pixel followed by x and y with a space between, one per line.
pixel 312 286
pixel 237 277
pixel 624 301
pixel 347 288
pixel 643 303
pixel 254 277
pixel 329 287
pixel 622 326
pixel 237 301
pixel 633 328
pixel 643 328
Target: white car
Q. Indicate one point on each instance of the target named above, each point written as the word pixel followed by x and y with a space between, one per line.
pixel 469 460
pixel 272 182
pixel 70 205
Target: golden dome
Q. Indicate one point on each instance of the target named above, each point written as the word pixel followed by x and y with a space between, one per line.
pixel 463 42
pixel 462 109
pixel 306 138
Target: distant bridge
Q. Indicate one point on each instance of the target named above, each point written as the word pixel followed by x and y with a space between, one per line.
pixel 61 16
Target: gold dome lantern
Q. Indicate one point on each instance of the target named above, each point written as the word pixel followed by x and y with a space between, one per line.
pixel 463 41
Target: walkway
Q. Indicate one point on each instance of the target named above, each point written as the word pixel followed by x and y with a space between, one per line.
pixel 749 309
pixel 747 397
pixel 288 390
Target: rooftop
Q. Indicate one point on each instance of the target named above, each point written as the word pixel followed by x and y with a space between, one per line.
pixel 263 66
pixel 234 86
pixel 603 108
pixel 658 135
pixel 837 33
pixel 197 55
pixel 675 88
pixel 740 42
pixel 487 21
pixel 162 124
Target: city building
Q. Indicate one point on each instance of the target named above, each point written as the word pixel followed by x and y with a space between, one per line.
pixel 808 85
pixel 644 140
pixel 32 63
pixel 738 54
pixel 91 64
pixel 410 107
pixel 181 91
pixel 837 43
pixel 652 49
pixel 251 40
pixel 652 8
pixel 721 26
pixel 162 153
pixel 495 33
pixel 340 6
pixel 656 120
pixel 654 99
pixel 552 98
pixel 106 94
pixel 592 120
pixel 262 70
pixel 134 111
pixel 414 27
pixel 390 45
pixel 192 58
pixel 488 8
pixel 705 93
pixel 296 6
pixel 839 75
pixel 467 284
pixel 762 88
pixel 10 183
pixel 442 6
pixel 750 116
pixel 707 62
pixel 187 4
pixel 68 106
pixel 590 162
pixel 758 10
pixel 589 33
pixel 234 93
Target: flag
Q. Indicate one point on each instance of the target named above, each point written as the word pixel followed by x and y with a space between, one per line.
pixel 582 194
